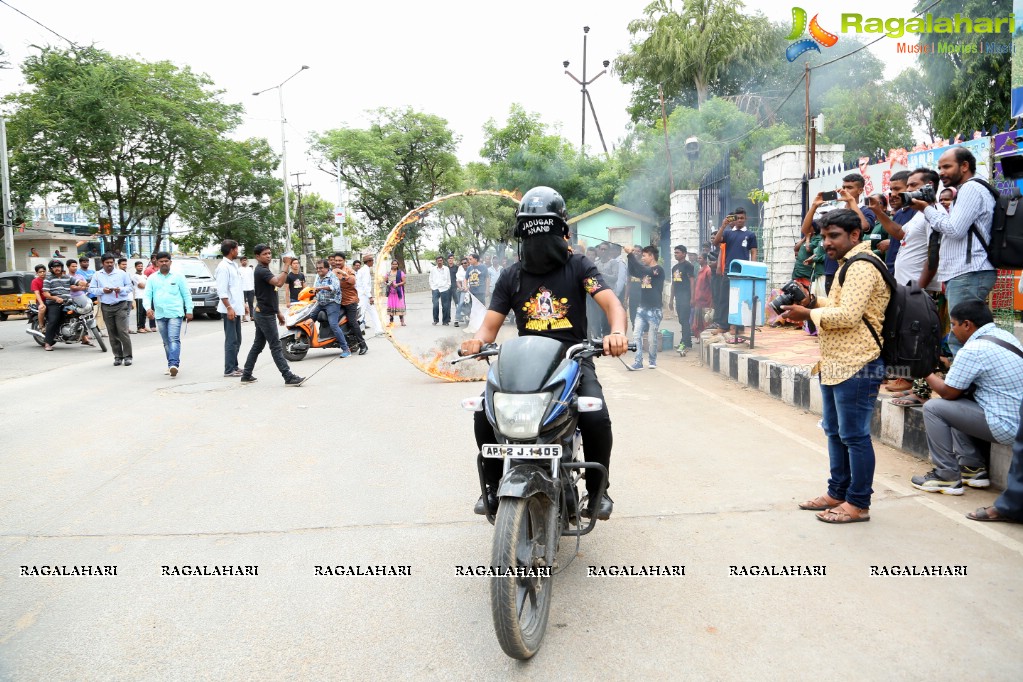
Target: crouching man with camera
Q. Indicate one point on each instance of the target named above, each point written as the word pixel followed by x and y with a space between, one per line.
pixel 850 367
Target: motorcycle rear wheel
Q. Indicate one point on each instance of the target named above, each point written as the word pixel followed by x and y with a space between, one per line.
pixel 520 606
pixel 34 324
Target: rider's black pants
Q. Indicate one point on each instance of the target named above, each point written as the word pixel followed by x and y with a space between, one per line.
pixel 595 428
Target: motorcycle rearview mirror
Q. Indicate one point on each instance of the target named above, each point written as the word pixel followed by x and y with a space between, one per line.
pixel 474 404
pixel 586 404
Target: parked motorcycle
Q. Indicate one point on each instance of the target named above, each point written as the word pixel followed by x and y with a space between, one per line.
pixel 78 318
pixel 304 332
pixel 532 402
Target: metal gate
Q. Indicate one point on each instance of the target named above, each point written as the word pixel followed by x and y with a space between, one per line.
pixel 715 193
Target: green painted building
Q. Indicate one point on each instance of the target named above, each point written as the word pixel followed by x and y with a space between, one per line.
pixel 613 224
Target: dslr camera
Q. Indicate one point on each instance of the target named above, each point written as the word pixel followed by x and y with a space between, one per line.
pixel 791 294
pixel 924 194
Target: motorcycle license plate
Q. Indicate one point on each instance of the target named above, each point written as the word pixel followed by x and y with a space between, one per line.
pixel 522 451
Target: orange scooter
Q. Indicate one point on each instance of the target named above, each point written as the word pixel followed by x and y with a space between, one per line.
pixel 306 331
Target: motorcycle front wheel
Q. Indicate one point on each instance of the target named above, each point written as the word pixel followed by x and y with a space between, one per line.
pixel 520 606
pixel 288 346
pixel 94 328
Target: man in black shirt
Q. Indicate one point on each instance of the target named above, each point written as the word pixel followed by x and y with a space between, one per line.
pixel 548 290
pixel 650 310
pixel 682 294
pixel 296 281
pixel 268 308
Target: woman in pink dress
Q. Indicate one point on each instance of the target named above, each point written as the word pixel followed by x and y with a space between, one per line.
pixel 395 287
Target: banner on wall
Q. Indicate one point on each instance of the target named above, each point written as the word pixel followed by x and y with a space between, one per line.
pixel 1016 105
pixel 981 148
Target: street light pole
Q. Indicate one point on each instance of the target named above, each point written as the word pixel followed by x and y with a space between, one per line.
pixel 8 214
pixel 586 95
pixel 284 155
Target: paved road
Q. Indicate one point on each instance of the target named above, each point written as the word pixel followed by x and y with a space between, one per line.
pixel 371 463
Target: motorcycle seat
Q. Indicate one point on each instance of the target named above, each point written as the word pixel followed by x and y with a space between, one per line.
pixel 321 316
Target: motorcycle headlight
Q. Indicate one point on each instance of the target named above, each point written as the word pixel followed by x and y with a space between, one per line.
pixel 519 414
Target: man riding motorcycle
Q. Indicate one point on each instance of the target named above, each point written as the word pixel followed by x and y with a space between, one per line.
pixel 547 289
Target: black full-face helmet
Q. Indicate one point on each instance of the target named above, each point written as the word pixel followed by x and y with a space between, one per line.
pixel 539 203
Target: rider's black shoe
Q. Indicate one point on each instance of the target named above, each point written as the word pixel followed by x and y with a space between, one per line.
pixel 480 509
pixel 604 509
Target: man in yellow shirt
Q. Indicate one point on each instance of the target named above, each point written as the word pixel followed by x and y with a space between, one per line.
pixel 849 324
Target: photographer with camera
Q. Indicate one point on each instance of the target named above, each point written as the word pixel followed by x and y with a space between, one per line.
pixel 850 367
pixel 963 266
pixel 852 188
pixel 911 264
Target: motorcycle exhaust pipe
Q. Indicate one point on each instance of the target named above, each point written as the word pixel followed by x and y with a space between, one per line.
pixel 36 333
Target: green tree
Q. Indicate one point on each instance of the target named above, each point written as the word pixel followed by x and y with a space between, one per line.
pixel 126 138
pixel 970 90
pixel 913 89
pixel 866 121
pixel 721 129
pixel 401 161
pixel 689 50
pixel 524 153
pixel 475 224
pixel 233 200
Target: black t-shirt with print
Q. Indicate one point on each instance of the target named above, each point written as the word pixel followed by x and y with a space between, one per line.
pixel 651 283
pixel 295 282
pixel 266 293
pixel 553 304
pixel 680 279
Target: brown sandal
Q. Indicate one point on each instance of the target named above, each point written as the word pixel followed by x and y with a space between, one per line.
pixel 985 514
pixel 821 503
pixel 844 513
pixel 896 385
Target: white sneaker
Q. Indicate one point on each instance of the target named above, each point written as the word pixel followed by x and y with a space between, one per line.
pixel 173 371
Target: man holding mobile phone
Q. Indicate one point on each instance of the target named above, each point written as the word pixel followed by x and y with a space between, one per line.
pixel 114 290
pixel 740 244
pixel 852 188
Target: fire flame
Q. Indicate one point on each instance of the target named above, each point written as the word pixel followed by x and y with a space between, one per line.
pixel 434 364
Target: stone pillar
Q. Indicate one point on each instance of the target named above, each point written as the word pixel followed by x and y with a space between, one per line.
pixel 784 168
pixel 685 220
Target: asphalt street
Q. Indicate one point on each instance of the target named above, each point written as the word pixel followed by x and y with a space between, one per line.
pixel 372 463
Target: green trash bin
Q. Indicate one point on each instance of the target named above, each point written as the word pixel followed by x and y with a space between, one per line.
pixel 667 339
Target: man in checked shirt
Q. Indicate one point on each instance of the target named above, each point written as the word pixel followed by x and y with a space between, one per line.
pixel 850 367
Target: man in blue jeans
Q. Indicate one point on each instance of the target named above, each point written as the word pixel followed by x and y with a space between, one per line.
pixel 650 308
pixel 850 367
pixel 168 301
pixel 232 306
pixel 328 299
pixel 962 263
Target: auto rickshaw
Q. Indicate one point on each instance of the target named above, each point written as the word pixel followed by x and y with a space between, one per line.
pixel 15 292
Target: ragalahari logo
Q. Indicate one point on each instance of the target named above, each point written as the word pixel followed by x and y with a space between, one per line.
pixel 819 35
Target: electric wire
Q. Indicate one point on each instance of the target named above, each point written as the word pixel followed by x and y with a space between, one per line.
pixel 36 21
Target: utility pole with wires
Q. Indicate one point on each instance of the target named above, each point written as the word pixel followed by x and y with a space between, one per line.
pixel 308 245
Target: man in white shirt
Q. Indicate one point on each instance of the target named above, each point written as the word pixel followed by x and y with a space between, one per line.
pixel 462 306
pixel 248 274
pixel 911 259
pixel 232 302
pixel 440 287
pixel 367 302
pixel 139 279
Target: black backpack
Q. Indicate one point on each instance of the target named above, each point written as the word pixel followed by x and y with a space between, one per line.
pixel 910 338
pixel 1006 248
